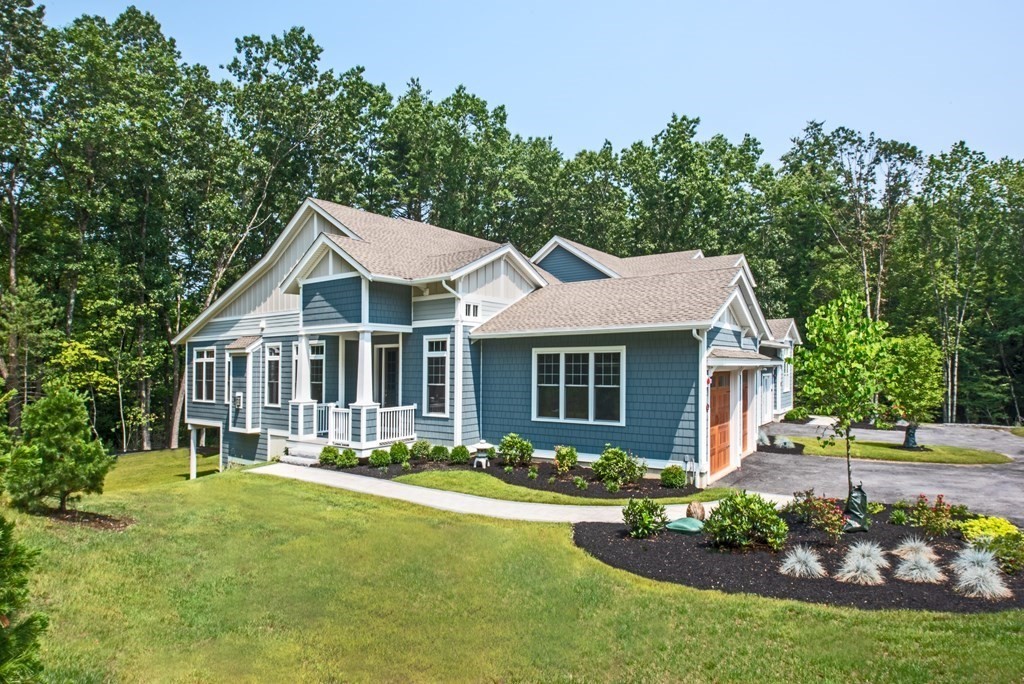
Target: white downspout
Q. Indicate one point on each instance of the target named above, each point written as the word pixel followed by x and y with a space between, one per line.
pixel 703 435
pixel 457 352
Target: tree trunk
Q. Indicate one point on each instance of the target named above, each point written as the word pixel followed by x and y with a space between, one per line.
pixel 849 467
pixel 63 505
pixel 178 403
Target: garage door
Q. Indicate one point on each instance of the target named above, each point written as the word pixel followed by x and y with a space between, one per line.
pixel 719 422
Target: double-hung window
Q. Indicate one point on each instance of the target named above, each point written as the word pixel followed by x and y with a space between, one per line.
pixel 272 392
pixel 435 376
pixel 316 371
pixel 580 385
pixel 203 374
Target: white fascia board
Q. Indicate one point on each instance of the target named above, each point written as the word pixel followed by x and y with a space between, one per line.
pixel 548 332
pixel 505 250
pixel 735 297
pixel 559 242
pixel 322 245
pixel 262 265
pixel 745 282
pixel 741 363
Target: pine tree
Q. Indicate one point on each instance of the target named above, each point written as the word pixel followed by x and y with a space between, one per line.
pixel 19 639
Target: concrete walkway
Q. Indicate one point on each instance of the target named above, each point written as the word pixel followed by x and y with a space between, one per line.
pixel 465 503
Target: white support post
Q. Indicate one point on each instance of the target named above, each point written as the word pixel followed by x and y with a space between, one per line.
pixel 364 373
pixel 302 371
pixel 192 452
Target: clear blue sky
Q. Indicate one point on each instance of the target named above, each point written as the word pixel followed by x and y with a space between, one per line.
pixel 929 73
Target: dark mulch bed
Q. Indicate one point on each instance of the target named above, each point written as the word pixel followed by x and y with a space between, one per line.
pixel 97 521
pixel 691 560
pixel 776 449
pixel 650 487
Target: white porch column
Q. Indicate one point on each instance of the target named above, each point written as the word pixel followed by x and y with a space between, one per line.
pixel 192 452
pixel 302 371
pixel 364 373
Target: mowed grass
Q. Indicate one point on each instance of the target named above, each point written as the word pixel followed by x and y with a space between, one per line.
pixel 484 484
pixel 145 469
pixel 246 577
pixel 883 451
pixel 1019 431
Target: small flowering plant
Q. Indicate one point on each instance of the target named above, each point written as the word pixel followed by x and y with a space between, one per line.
pixel 821 513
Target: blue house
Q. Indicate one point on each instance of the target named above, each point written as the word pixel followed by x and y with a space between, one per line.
pixel 360 330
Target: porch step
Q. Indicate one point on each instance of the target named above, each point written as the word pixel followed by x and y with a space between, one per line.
pixel 300 460
pixel 305 450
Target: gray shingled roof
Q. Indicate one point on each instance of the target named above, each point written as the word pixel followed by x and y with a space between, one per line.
pixel 779 327
pixel 742 354
pixel 631 267
pixel 664 299
pixel 402 248
pixel 243 342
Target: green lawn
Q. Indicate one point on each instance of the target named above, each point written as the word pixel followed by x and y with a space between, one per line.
pixel 246 577
pixel 882 451
pixel 484 484
pixel 140 470
pixel 1019 431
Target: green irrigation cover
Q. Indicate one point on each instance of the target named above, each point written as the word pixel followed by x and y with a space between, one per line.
pixel 685 526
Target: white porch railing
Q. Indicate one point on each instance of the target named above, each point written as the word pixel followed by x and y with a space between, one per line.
pixel 396 423
pixel 339 426
pixel 323 418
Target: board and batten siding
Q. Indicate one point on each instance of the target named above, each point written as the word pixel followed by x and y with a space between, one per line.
pixel 433 309
pixel 332 302
pixel 498 280
pixel 437 430
pixel 661 375
pixel 390 304
pixel 568 267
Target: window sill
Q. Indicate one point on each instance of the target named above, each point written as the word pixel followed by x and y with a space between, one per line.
pixel 204 401
pixel 435 415
pixel 575 421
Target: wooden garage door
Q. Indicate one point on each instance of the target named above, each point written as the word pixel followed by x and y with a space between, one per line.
pixel 719 421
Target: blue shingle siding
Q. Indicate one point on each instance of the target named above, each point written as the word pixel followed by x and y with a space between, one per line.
pixel 568 268
pixel 470 389
pixel 661 395
pixel 351 370
pixel 786 399
pixel 723 337
pixel 433 309
pixel 332 302
pixel 330 368
pixel 390 304
pixel 439 430
pixel 239 366
pixel 217 411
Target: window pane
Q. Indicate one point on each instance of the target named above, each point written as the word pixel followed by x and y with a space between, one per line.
pixel 435 371
pixel 547 401
pixel 548 369
pixel 316 349
pixel 577 369
pixel 606 403
pixel 607 366
pixel 274 382
pixel 437 346
pixel 577 402
pixel 316 380
pixel 436 400
pixel 208 391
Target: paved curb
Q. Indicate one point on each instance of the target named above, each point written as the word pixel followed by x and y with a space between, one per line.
pixel 456 502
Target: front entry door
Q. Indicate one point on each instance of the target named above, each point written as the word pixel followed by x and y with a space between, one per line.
pixel 387 376
pixel 719 401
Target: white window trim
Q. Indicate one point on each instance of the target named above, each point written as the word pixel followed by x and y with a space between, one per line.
pixel 295 366
pixel 266 373
pixel 322 357
pixel 787 370
pixel 427 339
pixel 195 376
pixel 468 304
pixel 562 351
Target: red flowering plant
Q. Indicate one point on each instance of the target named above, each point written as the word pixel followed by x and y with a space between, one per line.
pixel 936 519
pixel 821 513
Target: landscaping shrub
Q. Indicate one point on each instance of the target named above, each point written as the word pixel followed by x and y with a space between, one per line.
pixel 934 518
pixel 459 455
pixel 674 477
pixel 399 452
pixel 420 449
pixel 57 456
pixel 20 630
pixel 348 459
pixel 742 520
pixel 406 466
pixel 644 517
pixel 960 513
pixel 329 455
pixel 1008 550
pixel 802 561
pixel 875 508
pixel 439 453
pixel 617 467
pixel 819 512
pixel 899 517
pixel 580 483
pixel 986 526
pixel 379 458
pixel 798 414
pixel 516 450
pixel 565 459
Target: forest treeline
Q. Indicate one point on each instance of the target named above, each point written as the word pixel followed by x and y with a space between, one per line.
pixel 135 187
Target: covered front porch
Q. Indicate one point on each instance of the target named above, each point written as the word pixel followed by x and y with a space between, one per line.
pixel 347 390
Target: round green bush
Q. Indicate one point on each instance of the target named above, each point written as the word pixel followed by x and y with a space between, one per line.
pixel 516 450
pixel 347 459
pixel 565 459
pixel 644 517
pixel 420 449
pixel 399 452
pixel 459 455
pixel 674 477
pixel 379 458
pixel 617 467
pixel 741 520
pixel 439 453
pixel 329 455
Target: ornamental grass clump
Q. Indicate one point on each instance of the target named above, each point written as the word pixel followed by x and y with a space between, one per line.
pixel 742 520
pixel 920 569
pixel 869 551
pixel 802 561
pixel 915 547
pixel 970 557
pixel 857 569
pixel 982 582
